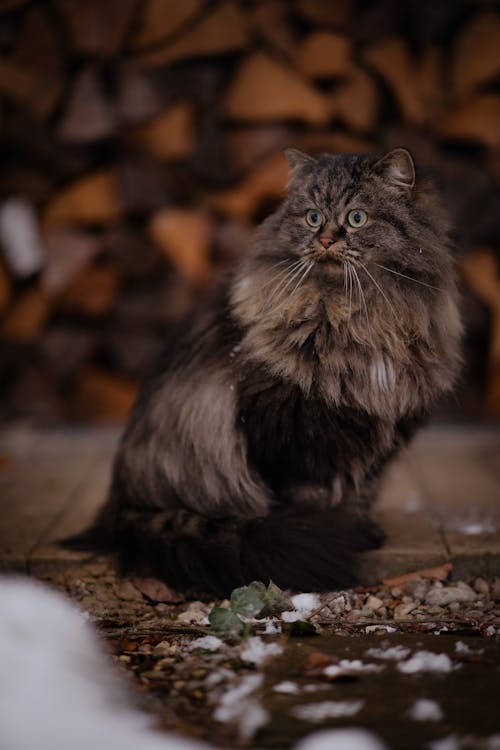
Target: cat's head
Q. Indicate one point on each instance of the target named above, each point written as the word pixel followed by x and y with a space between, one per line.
pixel 362 212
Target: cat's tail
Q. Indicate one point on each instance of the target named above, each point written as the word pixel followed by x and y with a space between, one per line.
pixel 297 548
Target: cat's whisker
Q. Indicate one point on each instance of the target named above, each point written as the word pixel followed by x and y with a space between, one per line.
pixel 302 278
pixel 363 298
pixel 284 271
pixel 289 272
pixel 378 287
pixel 410 278
pixel 350 288
pixel 289 282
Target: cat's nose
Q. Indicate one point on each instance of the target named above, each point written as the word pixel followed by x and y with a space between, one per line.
pixel 326 241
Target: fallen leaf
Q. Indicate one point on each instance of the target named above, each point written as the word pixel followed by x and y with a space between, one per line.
pixel 157 591
pixel 440 573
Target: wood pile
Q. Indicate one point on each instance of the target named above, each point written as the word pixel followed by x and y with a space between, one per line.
pixel 141 142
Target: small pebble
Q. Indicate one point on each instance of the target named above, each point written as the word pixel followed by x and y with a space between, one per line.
pixel 403 610
pixel 495 589
pixel 396 592
pixel 374 603
pixel 442 596
pixel 481 586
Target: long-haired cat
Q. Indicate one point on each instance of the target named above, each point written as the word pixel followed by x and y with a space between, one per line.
pixel 254 451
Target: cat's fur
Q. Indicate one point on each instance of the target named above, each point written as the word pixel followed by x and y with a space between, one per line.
pixel 255 450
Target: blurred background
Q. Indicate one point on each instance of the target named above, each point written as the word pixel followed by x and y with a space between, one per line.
pixel 140 143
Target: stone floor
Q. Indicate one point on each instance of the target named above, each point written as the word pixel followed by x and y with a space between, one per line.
pixel 440 501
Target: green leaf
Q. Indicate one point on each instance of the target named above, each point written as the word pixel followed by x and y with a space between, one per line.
pixel 275 601
pixel 249 601
pixel 224 620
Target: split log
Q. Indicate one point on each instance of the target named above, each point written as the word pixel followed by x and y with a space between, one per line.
pixel 246 146
pixel 5 289
pixel 482 271
pixel 476 58
pixel 335 14
pixel 324 54
pixel 137 97
pixel 355 102
pixel 92 292
pixel 67 253
pixel 159 19
pixel 102 397
pixel 185 236
pixel 223 30
pixel 168 136
pixel 95 28
pixel 20 237
pixel 478 119
pixel 269 20
pixel 416 85
pixel 265 89
pixel 89 113
pixel 27 316
pixel 93 199
pixel 266 182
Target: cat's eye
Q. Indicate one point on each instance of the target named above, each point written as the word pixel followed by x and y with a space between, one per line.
pixel 357 217
pixel 314 218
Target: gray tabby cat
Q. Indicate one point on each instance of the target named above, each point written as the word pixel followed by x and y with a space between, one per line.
pixel 255 450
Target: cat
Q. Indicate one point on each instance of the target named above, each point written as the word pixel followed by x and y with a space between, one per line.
pixel 255 450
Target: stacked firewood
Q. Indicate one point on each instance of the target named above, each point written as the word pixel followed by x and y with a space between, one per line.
pixel 141 142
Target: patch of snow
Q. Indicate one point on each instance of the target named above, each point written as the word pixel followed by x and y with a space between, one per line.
pixel 287 686
pixel 256 651
pixel 326 710
pixel 451 742
pixel 493 742
pixel 58 689
pixel 426 661
pixel 239 706
pixel 425 710
pixel 375 628
pixel 306 603
pixel 291 615
pixel 392 653
pixel 207 643
pixel 273 627
pixel 490 630
pixel 465 650
pixel 351 665
pixel 215 678
pixel 341 739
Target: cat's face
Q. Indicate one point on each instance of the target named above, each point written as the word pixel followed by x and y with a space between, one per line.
pixel 356 211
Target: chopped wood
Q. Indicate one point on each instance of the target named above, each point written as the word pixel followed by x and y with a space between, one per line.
pixel 169 136
pixel 415 85
pixel 27 316
pixel 270 21
pixel 266 181
pixel 355 102
pixel 67 252
pixel 102 397
pixel 324 54
pixel 5 288
pixel 137 97
pixel 478 119
pixel 482 271
pixel 92 199
pixel 439 573
pixel 265 89
pixel 185 236
pixel 92 292
pixel 223 30
pixel 89 114
pixel 248 145
pixel 96 28
pixel 323 13
pixel 338 142
pixel 159 19
pixel 476 57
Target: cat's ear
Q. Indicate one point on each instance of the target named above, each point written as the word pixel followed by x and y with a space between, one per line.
pixel 397 168
pixel 297 159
